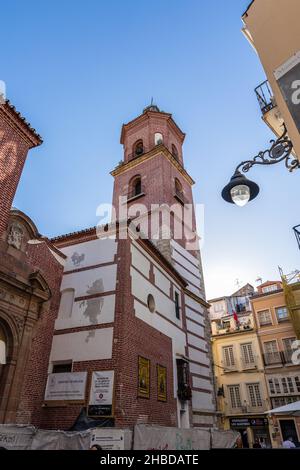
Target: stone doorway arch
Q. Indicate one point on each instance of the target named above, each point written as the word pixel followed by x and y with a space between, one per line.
pixel 8 359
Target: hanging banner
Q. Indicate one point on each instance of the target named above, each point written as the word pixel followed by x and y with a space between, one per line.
pixel 101 394
pixel 67 386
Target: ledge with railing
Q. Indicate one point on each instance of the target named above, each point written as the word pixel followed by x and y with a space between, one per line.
pixel 265 97
pixel 229 368
pixel 244 410
pixel 248 363
pixel 279 358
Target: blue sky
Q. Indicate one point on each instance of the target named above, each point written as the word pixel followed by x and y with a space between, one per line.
pixel 78 70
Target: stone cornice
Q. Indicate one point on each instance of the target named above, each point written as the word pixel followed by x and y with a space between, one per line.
pixel 159 149
pixel 14 119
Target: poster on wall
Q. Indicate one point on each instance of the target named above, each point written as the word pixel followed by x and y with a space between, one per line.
pixel 288 79
pixel 101 394
pixel 161 383
pixel 143 377
pixel 67 386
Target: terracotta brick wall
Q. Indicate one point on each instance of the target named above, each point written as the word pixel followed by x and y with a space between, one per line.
pixel 13 152
pixel 30 410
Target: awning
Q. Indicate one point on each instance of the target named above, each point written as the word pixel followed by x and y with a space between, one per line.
pixel 292 409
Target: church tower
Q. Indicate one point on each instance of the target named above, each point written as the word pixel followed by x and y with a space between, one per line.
pixel 152 174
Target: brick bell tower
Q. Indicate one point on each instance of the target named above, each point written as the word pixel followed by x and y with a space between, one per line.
pixel 153 173
pixel 16 138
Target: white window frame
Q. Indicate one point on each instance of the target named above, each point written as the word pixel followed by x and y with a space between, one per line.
pixel 265 323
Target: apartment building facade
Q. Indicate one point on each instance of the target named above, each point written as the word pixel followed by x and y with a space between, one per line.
pixel 241 389
pixel 276 337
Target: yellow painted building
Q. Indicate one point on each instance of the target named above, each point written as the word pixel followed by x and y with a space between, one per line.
pixel 277 336
pixel 239 371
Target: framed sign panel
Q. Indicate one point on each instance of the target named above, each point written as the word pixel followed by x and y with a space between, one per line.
pixel 67 386
pixel 143 377
pixel 101 394
pixel 161 383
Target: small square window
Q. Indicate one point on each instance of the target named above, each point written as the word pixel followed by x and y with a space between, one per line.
pixel 62 367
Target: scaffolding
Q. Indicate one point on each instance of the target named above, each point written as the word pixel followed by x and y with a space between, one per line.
pixel 291 289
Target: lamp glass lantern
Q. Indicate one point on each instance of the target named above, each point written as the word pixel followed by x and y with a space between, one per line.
pixel 240 190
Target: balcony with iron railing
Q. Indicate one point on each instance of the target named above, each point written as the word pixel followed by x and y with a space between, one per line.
pixel 279 358
pixel 249 363
pixel 229 368
pixel 244 410
pixel 265 97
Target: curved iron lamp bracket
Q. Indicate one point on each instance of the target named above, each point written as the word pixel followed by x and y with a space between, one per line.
pixel 279 151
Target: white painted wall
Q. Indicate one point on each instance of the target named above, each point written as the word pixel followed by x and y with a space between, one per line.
pixel 199 382
pixel 90 253
pixel 95 311
pixel 91 281
pixel 139 261
pixel 141 288
pixel 198 342
pixel 198 369
pixel 184 253
pixel 161 281
pixel 198 329
pixel 189 302
pixel 82 345
pixel 198 356
pixel 202 401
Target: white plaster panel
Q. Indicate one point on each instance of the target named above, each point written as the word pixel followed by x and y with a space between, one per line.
pixel 200 370
pixel 90 253
pixel 156 265
pixel 193 304
pixel 198 356
pixel 202 401
pixel 201 383
pixel 193 328
pixel 94 311
pixel 187 275
pixel 162 281
pixel 203 419
pixel 194 316
pixel 141 288
pixel 177 257
pixel 82 345
pixel 91 281
pixel 194 290
pixel 195 341
pixel 185 253
pixel 140 261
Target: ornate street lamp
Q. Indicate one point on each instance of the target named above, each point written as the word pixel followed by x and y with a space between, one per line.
pixel 240 190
